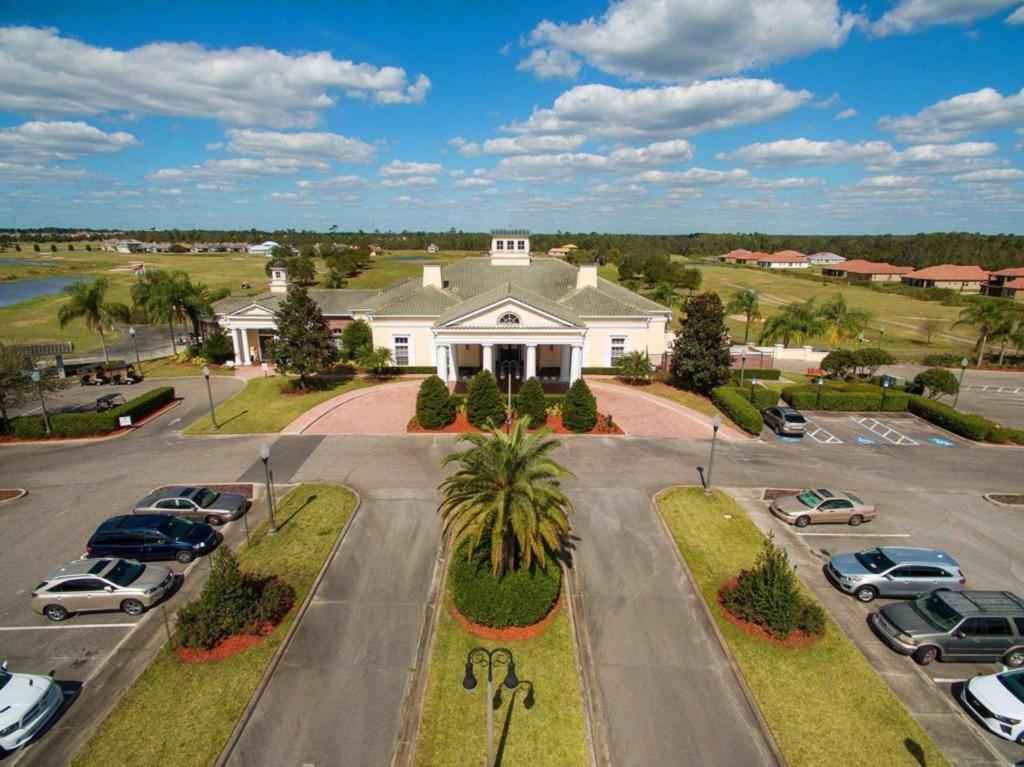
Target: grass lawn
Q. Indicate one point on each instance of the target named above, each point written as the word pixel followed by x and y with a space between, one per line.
pixel 266 405
pixel 825 704
pixel 453 728
pixel 167 367
pixel 402 264
pixel 182 714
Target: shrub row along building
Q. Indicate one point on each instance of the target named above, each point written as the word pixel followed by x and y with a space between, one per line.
pixel 540 316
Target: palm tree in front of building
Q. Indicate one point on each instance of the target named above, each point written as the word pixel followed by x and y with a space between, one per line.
pixel 797 322
pixel 843 322
pixel 993 317
pixel 89 302
pixel 507 496
pixel 745 302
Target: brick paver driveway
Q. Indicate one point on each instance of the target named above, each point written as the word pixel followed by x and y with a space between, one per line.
pixel 378 410
pixel 646 415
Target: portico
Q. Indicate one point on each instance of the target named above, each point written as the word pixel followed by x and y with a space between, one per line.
pixel 549 358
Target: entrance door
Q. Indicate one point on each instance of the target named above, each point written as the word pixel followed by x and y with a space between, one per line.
pixel 510 353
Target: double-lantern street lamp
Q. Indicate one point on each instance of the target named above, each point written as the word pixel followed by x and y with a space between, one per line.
pixel 265 457
pixel 481 656
pixel 510 369
pixel 716 424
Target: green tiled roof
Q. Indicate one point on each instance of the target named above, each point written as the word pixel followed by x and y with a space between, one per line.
pixel 517 292
pixel 591 302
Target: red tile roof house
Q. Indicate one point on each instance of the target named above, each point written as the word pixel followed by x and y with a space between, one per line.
pixel 740 256
pixel 859 270
pixel 784 259
pixel 965 279
pixel 1006 283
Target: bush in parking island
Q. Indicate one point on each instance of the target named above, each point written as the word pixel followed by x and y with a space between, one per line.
pixel 530 402
pixel 975 427
pixel 70 425
pixel 579 408
pixel 434 407
pixel 484 403
pixel 1000 435
pixel 847 398
pixel 935 383
pixel 733 402
pixel 759 396
pixel 520 598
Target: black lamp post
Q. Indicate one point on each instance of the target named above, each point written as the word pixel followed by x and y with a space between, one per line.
pixel 209 395
pixel 483 657
pixel 265 457
pixel 508 369
pixel 753 383
pixel 138 362
pixel 963 369
pixel 743 366
pixel 821 382
pixel 716 424
pixel 886 382
pixel 36 378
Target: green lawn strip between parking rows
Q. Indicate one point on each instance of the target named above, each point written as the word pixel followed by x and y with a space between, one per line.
pixel 453 727
pixel 182 714
pixel 267 405
pixel 824 704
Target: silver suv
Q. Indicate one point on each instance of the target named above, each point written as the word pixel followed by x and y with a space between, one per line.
pixel 893 571
pixel 785 421
pixel 87 585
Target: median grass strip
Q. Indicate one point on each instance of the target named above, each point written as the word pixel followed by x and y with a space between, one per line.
pixel 823 703
pixel 453 726
pixel 182 714
pixel 268 405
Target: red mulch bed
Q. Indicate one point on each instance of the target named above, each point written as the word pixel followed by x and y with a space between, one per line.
pixel 225 649
pixel 795 640
pixel 10 495
pixel 511 633
pixel 461 425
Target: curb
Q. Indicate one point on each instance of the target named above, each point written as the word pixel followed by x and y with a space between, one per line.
pixel 236 733
pixel 747 693
pixel 593 719
pixel 988 497
pixel 22 492
pixel 90 440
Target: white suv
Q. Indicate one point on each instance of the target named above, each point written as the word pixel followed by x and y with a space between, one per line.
pixel 27 702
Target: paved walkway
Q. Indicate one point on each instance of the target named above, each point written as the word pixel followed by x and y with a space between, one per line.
pixel 377 410
pixel 647 415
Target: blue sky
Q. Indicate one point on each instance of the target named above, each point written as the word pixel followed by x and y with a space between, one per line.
pixel 802 116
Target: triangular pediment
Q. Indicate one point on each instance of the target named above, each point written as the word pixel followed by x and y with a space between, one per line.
pixel 498 315
pixel 253 310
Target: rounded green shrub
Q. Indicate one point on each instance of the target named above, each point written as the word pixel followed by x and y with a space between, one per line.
pixel 520 598
pixel 579 408
pixel 531 403
pixel 484 404
pixel 734 403
pixel 434 406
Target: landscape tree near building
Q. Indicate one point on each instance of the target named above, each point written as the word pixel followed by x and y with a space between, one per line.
pixel 304 345
pixel 434 408
pixel 507 495
pixel 15 381
pixel 377 361
pixel 746 302
pixel 88 301
pixel 930 326
pixel 579 408
pixel 634 367
pixel 356 337
pixel 485 407
pixel 302 269
pixel 530 402
pixel 700 354
pixel 936 383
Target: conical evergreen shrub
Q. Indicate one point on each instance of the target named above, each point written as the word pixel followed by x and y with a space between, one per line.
pixel 484 403
pixel 579 408
pixel 434 406
pixel 531 404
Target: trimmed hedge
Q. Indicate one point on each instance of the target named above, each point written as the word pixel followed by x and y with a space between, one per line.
pixel 733 402
pixel 853 398
pixel 579 408
pixel 769 374
pixel 1000 435
pixel 484 404
pixel 530 402
pixel 759 396
pixel 969 425
pixel 521 598
pixel 434 408
pixel 92 424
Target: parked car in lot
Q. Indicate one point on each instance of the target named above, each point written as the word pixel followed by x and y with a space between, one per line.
pixel 787 421
pixel 200 504
pixel 822 506
pixel 894 571
pixel 956 626
pixel 87 585
pixel 153 536
pixel 998 701
pixel 27 701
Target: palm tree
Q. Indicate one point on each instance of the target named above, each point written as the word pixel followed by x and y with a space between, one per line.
pixel 507 490
pixel 797 321
pixel 665 294
pixel 844 322
pixel 992 318
pixel 158 294
pixel 1010 330
pixel 747 303
pixel 88 301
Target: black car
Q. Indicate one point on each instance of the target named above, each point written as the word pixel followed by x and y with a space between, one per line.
pixel 153 536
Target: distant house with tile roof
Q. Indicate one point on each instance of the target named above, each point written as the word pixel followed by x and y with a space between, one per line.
pixel 962 278
pixel 859 270
pixel 825 258
pixel 740 256
pixel 784 259
pixel 1006 283
pixel 546 316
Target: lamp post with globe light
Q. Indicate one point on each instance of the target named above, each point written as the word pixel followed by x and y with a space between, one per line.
pixel 716 424
pixel 135 344
pixel 209 396
pixel 963 369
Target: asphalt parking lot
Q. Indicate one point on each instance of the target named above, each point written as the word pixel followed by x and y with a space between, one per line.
pixel 860 431
pixel 983 538
pixel 1002 402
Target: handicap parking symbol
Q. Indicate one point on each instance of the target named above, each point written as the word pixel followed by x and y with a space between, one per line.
pixel 788 439
pixel 866 441
pixel 941 442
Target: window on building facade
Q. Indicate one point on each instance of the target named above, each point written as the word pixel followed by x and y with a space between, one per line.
pixel 618 348
pixel 511 244
pixel 522 245
pixel 508 318
pixel 401 350
pixel 499 244
pixel 336 334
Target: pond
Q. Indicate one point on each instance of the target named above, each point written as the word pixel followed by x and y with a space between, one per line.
pixel 16 291
pixel 22 262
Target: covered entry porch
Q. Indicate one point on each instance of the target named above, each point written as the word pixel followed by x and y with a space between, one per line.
pixel 552 360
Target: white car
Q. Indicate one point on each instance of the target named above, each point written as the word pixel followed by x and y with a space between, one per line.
pixel 998 701
pixel 27 702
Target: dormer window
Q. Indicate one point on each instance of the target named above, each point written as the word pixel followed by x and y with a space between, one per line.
pixel 511 244
pixel 508 318
pixel 522 245
pixel 500 244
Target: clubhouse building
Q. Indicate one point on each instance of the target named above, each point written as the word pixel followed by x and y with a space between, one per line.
pixel 510 310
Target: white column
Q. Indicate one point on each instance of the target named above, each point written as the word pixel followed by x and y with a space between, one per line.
pixel 441 352
pixel 453 367
pixel 564 368
pixel 488 356
pixel 576 364
pixel 234 343
pixel 531 361
pixel 244 337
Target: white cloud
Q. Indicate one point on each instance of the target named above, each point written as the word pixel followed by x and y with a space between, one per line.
pixel 42 73
pixel 959 116
pixel 399 168
pixel 829 102
pixel 693 177
pixel 993 175
pixel 315 147
pixel 475 181
pixel 940 158
pixel 227 171
pixel 603 111
pixel 213 146
pixel 465 148
pixel 60 140
pixel 802 151
pixel 846 114
pixel 1017 17
pixel 549 168
pixel 527 144
pixel 36 174
pixel 458 173
pixel 911 15
pixel 412 182
pixel 336 182
pixel 684 40
pixel 659 153
pixel 889 182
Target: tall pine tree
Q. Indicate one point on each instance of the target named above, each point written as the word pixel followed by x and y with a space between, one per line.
pixel 700 354
pixel 303 345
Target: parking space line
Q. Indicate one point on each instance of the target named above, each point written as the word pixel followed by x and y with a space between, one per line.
pixel 855 535
pixel 822 435
pixel 943 680
pixel 71 626
pixel 885 431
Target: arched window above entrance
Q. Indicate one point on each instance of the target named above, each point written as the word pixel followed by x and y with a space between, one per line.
pixel 508 318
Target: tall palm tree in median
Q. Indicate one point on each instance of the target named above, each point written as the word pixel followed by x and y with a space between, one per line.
pixel 508 493
pixel 745 302
pixel 89 302
pixel 843 322
pixel 797 322
pixel 992 317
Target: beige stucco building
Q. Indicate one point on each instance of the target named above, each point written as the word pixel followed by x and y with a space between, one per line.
pixel 507 311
